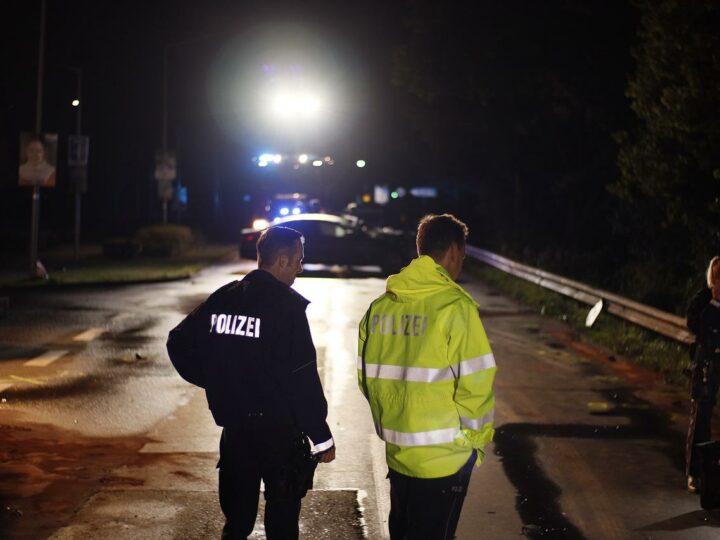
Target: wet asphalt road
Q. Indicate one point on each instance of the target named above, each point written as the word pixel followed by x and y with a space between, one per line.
pixel 585 448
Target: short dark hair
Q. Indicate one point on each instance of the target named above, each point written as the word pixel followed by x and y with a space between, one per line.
pixel 274 242
pixel 437 232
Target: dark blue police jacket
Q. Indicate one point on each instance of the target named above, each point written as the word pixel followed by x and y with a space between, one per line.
pixel 249 346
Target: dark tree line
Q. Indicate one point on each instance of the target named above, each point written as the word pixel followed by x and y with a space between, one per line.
pixel 669 163
pixel 581 135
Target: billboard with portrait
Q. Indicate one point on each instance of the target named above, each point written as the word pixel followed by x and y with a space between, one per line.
pixel 38 159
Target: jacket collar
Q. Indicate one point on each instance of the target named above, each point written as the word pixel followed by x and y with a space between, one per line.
pixel 266 278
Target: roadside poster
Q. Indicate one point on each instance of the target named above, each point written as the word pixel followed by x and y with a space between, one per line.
pixel 38 159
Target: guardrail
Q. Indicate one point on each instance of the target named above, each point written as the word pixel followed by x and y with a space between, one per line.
pixel 648 317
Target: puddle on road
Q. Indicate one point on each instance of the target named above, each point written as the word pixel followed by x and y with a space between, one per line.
pixel 538 496
pixel 59 387
pixel 10 352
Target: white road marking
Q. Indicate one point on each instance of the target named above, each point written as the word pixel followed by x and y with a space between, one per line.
pixel 4 386
pixel 89 334
pixel 46 358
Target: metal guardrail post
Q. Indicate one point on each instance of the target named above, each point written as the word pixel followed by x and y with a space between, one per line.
pixel 664 323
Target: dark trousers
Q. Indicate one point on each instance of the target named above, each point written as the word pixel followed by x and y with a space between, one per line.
pixel 699 431
pixel 427 509
pixel 246 457
pixel 705 381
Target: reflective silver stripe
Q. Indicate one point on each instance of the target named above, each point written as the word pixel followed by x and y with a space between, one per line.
pixel 323 446
pixel 429 375
pixel 473 365
pixel 404 373
pixel 420 438
pixel 478 423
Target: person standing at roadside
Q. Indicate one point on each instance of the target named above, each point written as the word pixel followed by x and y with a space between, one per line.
pixel 703 320
pixel 426 368
pixel 249 346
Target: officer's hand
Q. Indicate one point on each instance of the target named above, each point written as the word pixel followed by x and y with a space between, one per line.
pixel 327 456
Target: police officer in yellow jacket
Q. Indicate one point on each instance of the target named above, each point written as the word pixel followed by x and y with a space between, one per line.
pixel 426 368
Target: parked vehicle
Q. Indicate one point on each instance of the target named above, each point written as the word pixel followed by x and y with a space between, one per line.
pixel 332 239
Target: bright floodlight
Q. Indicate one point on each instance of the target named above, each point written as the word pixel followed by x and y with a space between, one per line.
pixel 302 158
pixel 75 102
pixel 291 105
pixel 360 163
pixel 284 211
pixel 317 163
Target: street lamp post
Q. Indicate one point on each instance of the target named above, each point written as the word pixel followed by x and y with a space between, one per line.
pixel 78 103
pixel 35 220
pixel 166 51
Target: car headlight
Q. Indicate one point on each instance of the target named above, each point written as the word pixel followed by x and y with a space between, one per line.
pixel 260 224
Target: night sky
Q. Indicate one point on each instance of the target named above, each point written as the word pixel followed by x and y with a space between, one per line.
pixel 219 55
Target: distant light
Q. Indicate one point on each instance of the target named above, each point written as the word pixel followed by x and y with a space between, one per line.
pixel 317 163
pixel 296 166
pixel 360 163
pixel 295 211
pixel 284 211
pixel 328 159
pixel 424 192
pixel 302 158
pixel 366 198
pixel 394 195
pixel 260 224
pixel 266 157
pixel 262 163
pixel 75 102
pixel 277 158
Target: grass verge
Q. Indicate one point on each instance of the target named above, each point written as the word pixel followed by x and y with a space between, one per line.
pixel 93 267
pixel 623 338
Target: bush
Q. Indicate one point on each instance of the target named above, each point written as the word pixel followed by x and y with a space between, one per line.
pixel 121 248
pixel 164 240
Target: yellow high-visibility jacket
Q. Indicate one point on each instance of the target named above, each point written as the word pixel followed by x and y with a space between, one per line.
pixel 428 372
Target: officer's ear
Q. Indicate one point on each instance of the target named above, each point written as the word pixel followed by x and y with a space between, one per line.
pixel 283 260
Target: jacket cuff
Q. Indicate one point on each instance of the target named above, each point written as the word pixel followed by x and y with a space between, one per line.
pixel 320 436
pixel 317 448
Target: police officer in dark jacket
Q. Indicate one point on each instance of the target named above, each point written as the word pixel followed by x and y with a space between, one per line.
pixel 703 320
pixel 249 346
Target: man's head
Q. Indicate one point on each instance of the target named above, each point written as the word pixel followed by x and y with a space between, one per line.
pixel 280 252
pixel 35 151
pixel 443 237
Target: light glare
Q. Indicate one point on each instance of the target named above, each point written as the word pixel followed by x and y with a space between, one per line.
pixel 260 224
pixel 75 102
pixel 295 105
pixel 317 163
pixel 360 163
pixel 302 158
